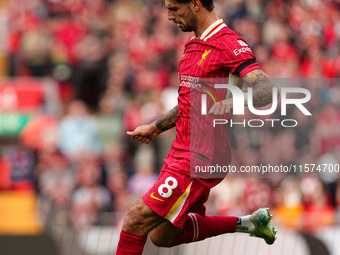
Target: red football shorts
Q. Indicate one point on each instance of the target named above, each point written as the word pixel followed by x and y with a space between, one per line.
pixel 175 194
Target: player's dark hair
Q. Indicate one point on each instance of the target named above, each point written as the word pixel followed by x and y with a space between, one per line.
pixel 207 4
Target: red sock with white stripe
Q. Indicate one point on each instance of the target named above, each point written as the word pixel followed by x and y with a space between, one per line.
pixel 198 228
pixel 130 244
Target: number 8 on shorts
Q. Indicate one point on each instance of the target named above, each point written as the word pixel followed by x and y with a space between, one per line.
pixel 165 190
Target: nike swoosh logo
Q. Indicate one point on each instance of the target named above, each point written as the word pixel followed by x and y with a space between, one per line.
pixel 156 197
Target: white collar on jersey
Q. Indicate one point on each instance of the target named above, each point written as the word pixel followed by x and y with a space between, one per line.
pixel 213 29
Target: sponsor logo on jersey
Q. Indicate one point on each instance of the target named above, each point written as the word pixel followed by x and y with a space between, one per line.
pixel 242 50
pixel 204 56
pixel 190 81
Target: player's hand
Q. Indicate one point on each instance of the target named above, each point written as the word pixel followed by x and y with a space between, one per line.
pixel 219 109
pixel 145 133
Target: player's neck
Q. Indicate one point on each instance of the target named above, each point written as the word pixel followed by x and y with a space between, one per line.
pixel 204 22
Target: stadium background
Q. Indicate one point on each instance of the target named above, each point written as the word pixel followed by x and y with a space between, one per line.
pixel 76 74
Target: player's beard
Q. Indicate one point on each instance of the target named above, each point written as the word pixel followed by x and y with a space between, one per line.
pixel 191 23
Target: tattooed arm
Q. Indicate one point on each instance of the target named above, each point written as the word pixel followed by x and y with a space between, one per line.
pixel 262 93
pixel 263 87
pixel 147 133
pixel 167 120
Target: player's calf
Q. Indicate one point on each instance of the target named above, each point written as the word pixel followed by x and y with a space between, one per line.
pixel 137 224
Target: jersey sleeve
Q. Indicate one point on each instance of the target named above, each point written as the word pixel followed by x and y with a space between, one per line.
pixel 238 56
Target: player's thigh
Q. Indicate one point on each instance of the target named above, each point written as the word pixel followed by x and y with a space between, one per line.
pixel 141 219
pixel 164 234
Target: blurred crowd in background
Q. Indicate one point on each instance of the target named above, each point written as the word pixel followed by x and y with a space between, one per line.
pixel 115 63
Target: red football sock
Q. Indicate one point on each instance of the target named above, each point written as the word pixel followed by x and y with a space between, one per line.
pixel 130 244
pixel 198 228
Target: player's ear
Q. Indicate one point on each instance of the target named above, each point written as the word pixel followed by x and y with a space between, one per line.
pixel 195 5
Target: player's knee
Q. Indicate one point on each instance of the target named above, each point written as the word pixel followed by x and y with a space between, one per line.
pixel 164 235
pixel 135 216
pixel 139 219
pixel 160 242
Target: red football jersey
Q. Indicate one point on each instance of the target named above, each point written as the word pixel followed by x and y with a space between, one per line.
pixel 219 53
